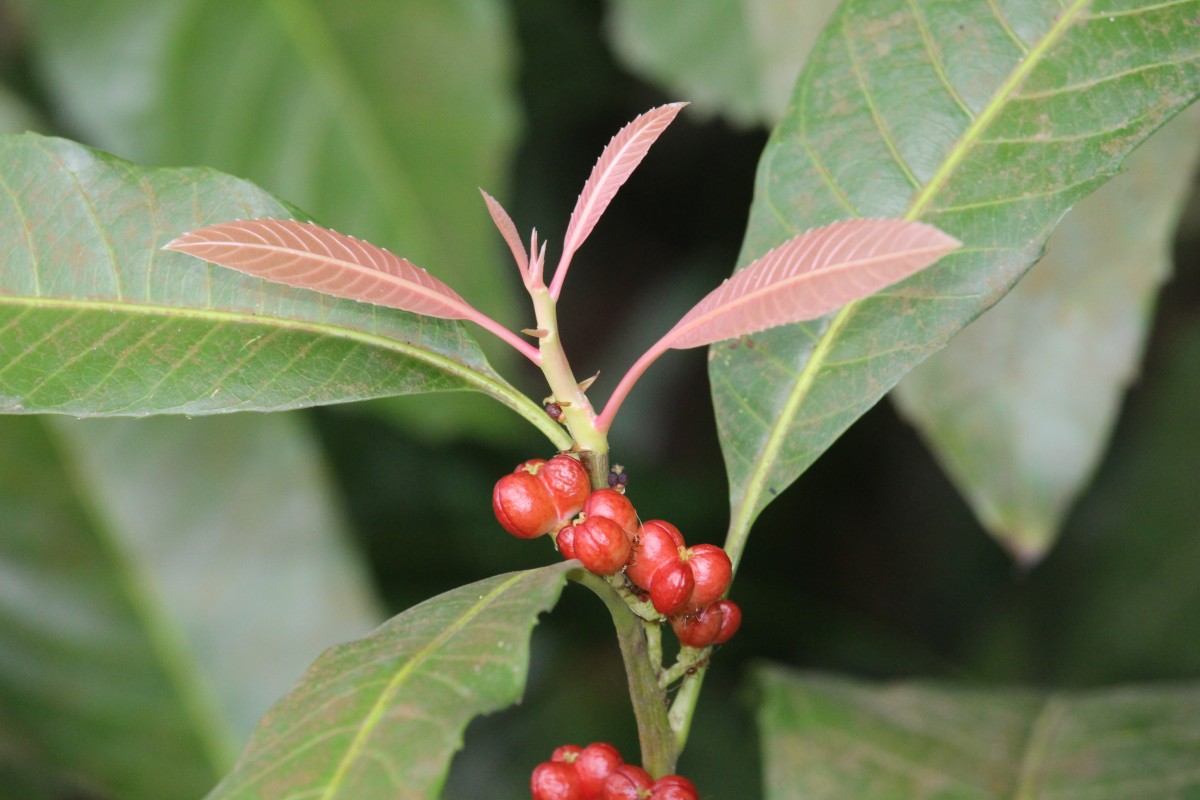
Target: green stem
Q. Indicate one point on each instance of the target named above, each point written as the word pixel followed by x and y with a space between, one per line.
pixel 684 707
pixel 659 749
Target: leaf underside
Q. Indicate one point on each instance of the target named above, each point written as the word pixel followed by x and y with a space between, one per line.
pixel 827 738
pixel 95 319
pixel 382 716
pixel 988 120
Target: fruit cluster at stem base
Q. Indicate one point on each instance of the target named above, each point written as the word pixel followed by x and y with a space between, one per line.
pixel 598 772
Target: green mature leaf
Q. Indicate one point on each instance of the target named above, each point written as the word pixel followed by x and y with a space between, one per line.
pixel 1019 407
pixel 828 738
pixel 379 118
pixel 737 58
pixel 382 716
pixel 987 120
pixel 152 606
pixel 95 319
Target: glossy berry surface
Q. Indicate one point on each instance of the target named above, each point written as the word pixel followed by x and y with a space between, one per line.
pixel 565 542
pixel 671 587
pixel 593 765
pixel 658 542
pixel 523 505
pixel 731 620
pixel 699 629
pixel 566 752
pixel 615 506
pixel 712 570
pixel 673 787
pixel 627 782
pixel 556 780
pixel 569 485
pixel 601 545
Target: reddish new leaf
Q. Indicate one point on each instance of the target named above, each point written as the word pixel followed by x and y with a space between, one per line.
pixel 810 275
pixel 618 161
pixel 508 230
pixel 308 256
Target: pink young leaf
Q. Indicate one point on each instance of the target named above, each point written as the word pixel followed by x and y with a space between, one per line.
pixel 508 230
pixel 618 161
pixel 810 275
pixel 308 256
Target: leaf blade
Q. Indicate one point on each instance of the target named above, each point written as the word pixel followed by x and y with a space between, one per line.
pixel 810 275
pixel 412 704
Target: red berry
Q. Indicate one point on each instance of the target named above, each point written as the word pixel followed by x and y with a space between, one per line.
pixel 699 629
pixel 712 570
pixel 556 780
pixel 671 587
pixel 568 483
pixel 673 787
pixel 523 505
pixel 627 782
pixel 594 764
pixel 731 620
pixel 601 545
pixel 615 506
pixel 658 542
pixel 566 752
pixel 564 540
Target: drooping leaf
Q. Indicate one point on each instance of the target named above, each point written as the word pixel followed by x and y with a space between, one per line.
pixel 735 58
pixel 986 120
pixel 810 275
pixel 827 738
pixel 382 716
pixel 617 162
pixel 378 117
pixel 152 604
pixel 95 319
pixel 1019 407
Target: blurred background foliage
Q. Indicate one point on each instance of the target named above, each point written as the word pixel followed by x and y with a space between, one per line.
pixel 871 565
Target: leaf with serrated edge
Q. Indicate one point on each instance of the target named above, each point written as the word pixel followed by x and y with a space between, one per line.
pixel 811 275
pixel 986 124
pixel 617 162
pixel 508 230
pixel 95 319
pixel 382 716
pixel 830 738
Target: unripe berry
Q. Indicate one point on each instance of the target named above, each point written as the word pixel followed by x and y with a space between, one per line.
pixel 673 787
pixel 523 505
pixel 712 570
pixel 627 782
pixel 569 485
pixel 658 542
pixel 594 764
pixel 601 545
pixel 699 629
pixel 614 505
pixel 556 780
pixel 731 620
pixel 671 587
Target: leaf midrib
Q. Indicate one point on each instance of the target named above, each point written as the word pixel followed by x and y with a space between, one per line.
pixel 750 504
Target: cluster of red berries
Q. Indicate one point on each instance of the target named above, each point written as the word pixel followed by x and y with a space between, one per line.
pixel 597 772
pixel 601 529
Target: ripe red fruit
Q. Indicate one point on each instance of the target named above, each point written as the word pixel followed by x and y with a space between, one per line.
pixel 671 587
pixel 673 787
pixel 568 483
pixel 731 620
pixel 712 570
pixel 523 505
pixel 566 752
pixel 627 782
pixel 556 780
pixel 601 545
pixel 615 506
pixel 658 542
pixel 564 540
pixel 699 629
pixel 593 765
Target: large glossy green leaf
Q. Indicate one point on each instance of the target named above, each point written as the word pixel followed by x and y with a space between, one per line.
pixel 736 58
pixel 382 716
pixel 95 319
pixel 1020 405
pixel 377 117
pixel 161 582
pixel 827 738
pixel 985 119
